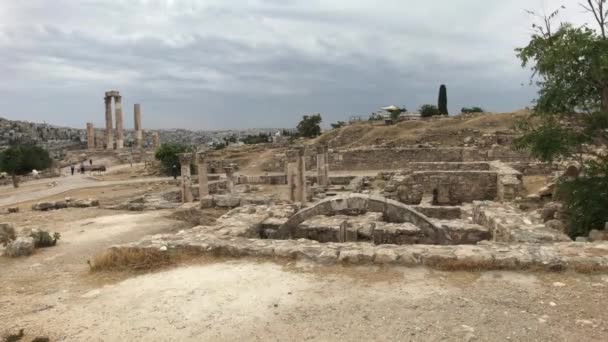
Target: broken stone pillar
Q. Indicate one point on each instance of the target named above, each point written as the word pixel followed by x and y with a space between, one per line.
pixel 291 157
pixel 120 138
pixel 229 178
pixel 99 140
pixel 109 127
pixel 185 159
pixel 301 177
pixel 322 167
pixel 139 135
pixel 155 140
pixel 296 175
pixel 203 182
pixel 90 136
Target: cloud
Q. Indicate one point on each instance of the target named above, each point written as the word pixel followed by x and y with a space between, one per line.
pixel 260 63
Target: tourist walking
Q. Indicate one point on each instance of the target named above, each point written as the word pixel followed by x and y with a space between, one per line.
pixel 174 171
pixel 82 167
pixel 72 168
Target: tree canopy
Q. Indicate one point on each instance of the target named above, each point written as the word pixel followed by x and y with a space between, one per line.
pixel 22 159
pixel 168 155
pixel 310 126
pixel 570 116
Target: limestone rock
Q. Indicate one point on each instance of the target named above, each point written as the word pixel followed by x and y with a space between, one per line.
pixel 556 225
pixel 598 235
pixel 22 246
pixel 43 206
pixel 229 201
pixel 550 210
pixel 207 202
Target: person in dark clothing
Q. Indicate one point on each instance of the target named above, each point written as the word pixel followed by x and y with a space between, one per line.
pixel 82 168
pixel 91 162
pixel 72 168
pixel 174 171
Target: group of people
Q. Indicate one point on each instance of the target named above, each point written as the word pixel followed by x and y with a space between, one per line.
pixel 82 169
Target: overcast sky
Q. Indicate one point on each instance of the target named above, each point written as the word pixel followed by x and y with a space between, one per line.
pixel 213 64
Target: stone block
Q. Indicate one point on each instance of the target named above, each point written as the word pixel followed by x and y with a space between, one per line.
pixel 598 235
pixel 207 202
pixel 43 206
pixel 22 246
pixel 226 201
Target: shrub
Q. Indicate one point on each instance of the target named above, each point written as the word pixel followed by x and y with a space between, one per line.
pixel 338 124
pixel 261 138
pixel 428 110
pixel 310 127
pixel 468 110
pixel 168 155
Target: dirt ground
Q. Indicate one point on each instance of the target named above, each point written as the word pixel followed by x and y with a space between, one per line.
pixel 52 293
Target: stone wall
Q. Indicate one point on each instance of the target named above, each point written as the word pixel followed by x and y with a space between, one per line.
pixel 447 187
pixel 400 158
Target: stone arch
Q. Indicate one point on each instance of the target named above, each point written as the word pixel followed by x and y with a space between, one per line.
pixel 393 211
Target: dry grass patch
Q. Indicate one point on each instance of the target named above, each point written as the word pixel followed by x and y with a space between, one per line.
pixel 138 259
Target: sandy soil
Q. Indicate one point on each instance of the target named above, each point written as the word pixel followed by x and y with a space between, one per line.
pixel 53 294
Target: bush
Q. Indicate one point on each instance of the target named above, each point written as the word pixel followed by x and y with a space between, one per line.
pixel 338 124
pixel 310 127
pixel 261 138
pixel 468 110
pixel 428 110
pixel 585 200
pixel 168 155
pixel 22 159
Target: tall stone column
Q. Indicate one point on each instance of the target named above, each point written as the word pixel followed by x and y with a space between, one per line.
pixel 120 138
pixel 296 175
pixel 301 177
pixel 185 159
pixel 137 125
pixel 291 157
pixel 203 182
pixel 229 179
pixel 90 136
pixel 155 140
pixel 109 128
pixel 322 172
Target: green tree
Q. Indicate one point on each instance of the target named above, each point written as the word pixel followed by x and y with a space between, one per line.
pixel 310 126
pixel 428 110
pixel 168 155
pixel 442 102
pixel 570 116
pixel 19 160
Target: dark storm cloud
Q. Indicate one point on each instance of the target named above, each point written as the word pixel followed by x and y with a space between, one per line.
pixel 220 64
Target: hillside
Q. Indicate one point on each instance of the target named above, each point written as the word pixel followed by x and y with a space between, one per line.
pixel 450 131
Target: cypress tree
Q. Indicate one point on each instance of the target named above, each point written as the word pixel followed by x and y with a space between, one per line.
pixel 442 103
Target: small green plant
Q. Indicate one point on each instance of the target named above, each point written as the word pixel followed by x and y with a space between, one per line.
pixel 428 110
pixel 43 239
